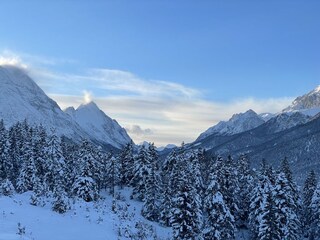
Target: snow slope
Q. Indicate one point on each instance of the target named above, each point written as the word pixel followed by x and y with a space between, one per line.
pixel 84 221
pixel 98 125
pixel 21 98
pixel 236 124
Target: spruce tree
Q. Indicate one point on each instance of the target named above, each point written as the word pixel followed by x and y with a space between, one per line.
pixel 261 191
pixel 268 228
pixel 141 172
pixel 220 223
pixel 4 166
pixel 55 165
pixel 85 185
pixel 315 217
pixel 186 219
pixel 151 204
pixel 6 188
pixel 245 180
pixel 287 217
pixel 28 176
pixel 61 201
pixel 127 164
pixel 186 216
pixel 309 188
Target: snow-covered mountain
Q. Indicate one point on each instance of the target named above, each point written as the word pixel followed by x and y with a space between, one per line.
pixel 308 104
pixel 240 122
pixel 98 125
pixel 21 98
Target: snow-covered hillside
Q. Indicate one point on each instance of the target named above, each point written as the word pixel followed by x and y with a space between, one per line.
pixel 21 98
pixel 84 221
pixel 98 125
pixel 237 123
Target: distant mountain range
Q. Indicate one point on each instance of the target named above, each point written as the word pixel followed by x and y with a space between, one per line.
pixel 293 133
pixel 21 98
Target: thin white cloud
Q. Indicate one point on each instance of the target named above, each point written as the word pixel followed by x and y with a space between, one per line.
pixel 30 59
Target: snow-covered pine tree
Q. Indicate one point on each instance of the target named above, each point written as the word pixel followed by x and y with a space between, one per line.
pixel 245 180
pixel 186 219
pixel 70 154
pixel 219 223
pixel 15 152
pixel 27 178
pixel 261 191
pixel 55 164
pixel 286 209
pixel 309 188
pixel 4 167
pixel 314 232
pixel 168 187
pixel 85 186
pixel 127 164
pixel 39 191
pixel 141 171
pixel 229 185
pixel 186 215
pixel 61 201
pixel 39 144
pixel 151 204
pixel 195 168
pixel 268 228
pixel 6 188
pixel 111 175
pixel 285 168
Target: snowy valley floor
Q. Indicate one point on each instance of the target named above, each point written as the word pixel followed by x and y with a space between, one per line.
pixel 84 221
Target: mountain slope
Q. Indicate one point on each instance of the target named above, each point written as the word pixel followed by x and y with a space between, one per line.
pixel 308 104
pixel 21 98
pixel 238 123
pixel 98 125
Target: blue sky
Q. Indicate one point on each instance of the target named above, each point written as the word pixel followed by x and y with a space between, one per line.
pixel 255 54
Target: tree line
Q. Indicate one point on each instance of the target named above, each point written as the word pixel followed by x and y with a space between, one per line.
pixel 200 197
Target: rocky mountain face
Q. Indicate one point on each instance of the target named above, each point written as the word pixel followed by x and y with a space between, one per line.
pixel 238 123
pixel 21 98
pixel 308 104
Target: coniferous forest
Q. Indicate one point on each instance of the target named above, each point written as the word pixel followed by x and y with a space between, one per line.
pixel 199 196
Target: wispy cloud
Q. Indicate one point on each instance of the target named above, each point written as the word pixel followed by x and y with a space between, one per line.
pixel 152 110
pixel 35 60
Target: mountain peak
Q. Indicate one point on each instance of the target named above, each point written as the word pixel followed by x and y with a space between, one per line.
pixel 90 105
pixel 97 124
pixel 239 122
pixel 308 103
pixel 317 89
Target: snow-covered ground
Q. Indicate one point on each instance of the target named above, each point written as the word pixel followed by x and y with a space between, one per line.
pixel 85 221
